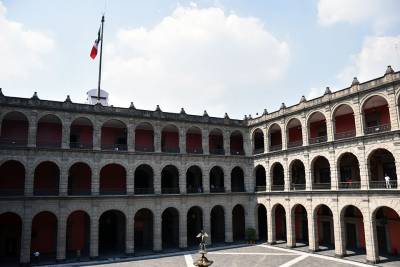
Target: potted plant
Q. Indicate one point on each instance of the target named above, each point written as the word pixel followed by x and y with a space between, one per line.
pixel 251 235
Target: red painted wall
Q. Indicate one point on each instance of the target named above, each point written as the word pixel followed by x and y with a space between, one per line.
pixel 10 227
pixel 394 231
pixel 215 141
pixel 85 134
pixel 47 177
pixel 345 123
pixel 12 176
pixel 236 142
pixel 279 223
pixel 76 231
pixel 112 177
pixel 44 233
pixel 276 138
pixel 193 141
pixel 110 135
pixel 383 113
pixel 49 132
pixel 295 134
pixel 170 139
pixel 82 176
pixel 144 138
pixel 314 126
pixel 15 130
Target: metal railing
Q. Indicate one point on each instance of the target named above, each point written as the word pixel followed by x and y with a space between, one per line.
pixel 48 143
pixel 297 187
pixel 277 187
pixel 11 191
pixel 144 191
pixel 377 129
pixel 144 148
pixel 295 143
pixel 194 190
pixel 238 189
pixel 170 190
pixel 321 186
pixel 78 145
pixel 113 191
pixel 217 151
pixel 349 185
pixel 344 135
pixel 319 139
pixel 46 191
pixel 79 191
pixel 260 188
pixel 383 185
pixel 174 150
pixel 275 147
pixel 194 150
pixel 237 152
pixel 258 151
pixel 114 147
pixel 217 189
pixel 13 142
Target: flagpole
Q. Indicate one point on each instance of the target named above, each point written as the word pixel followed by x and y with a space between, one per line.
pixel 101 53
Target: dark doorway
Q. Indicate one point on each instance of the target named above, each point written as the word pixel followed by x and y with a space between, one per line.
pixel 10 238
pixel 143 232
pixel 112 232
pixel 170 228
pixel 78 234
pixel 262 222
pixel 194 225
pixel 238 223
pixel 217 225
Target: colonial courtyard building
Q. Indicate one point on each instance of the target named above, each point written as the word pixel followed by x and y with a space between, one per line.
pixel 93 180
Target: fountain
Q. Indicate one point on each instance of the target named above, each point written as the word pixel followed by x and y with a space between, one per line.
pixel 203 261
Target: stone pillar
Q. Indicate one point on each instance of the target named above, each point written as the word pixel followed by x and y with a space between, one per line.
pixel 94 234
pixel 206 179
pixel 25 256
pixel 63 185
pixel 312 231
pixel 338 233
pixel 250 219
pixel 204 141
pixel 266 139
pixel 182 179
pixel 249 179
pixel 364 173
pixel 61 235
pixel 394 122
pixel 130 181
pixel 284 135
pixel 358 121
pixel 329 124
pixel 304 130
pixel 182 140
pixel 131 136
pixel 371 239
pixel 227 142
pixel 290 226
pixel 157 138
pixel 97 136
pixel 207 224
pixel 228 225
pixel 227 179
pixel 66 129
pixel 157 180
pixel 308 172
pixel 247 144
pixel 271 226
pixel 129 241
pixel 268 177
pixel 334 170
pixel 95 180
pixel 29 179
pixel 32 130
pixel 157 240
pixel 286 178
pixel 182 229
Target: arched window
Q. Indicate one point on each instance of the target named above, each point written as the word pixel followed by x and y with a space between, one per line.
pixel 317 128
pixel 345 126
pixel 376 115
pixel 14 130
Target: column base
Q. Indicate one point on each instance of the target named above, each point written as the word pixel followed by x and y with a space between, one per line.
pixel 312 250
pixel 60 260
pixel 290 246
pixel 272 243
pixel 372 261
pixel 92 258
pixel 339 256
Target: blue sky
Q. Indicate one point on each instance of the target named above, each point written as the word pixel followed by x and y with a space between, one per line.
pixel 223 56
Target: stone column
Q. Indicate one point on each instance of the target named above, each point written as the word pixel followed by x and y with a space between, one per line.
pixel 394 123
pixel 290 226
pixel 129 241
pixel 61 235
pixel 25 256
pixel 66 129
pixel 182 140
pixel 268 177
pixel 249 179
pixel 227 179
pixel 97 136
pixel 63 185
pixel 157 180
pixel 266 139
pixel 364 173
pixel 94 234
pixel 157 138
pixel 182 179
pixel 227 142
pixel 329 124
pixel 271 227
pixel 338 233
pixel 32 130
pixel 207 223
pixel 286 174
pixel 304 130
pixel 206 179
pixel 308 172
pixel 130 181
pixel 95 180
pixel 250 219
pixel 334 170
pixel 157 240
pixel 371 239
pixel 312 231
pixel 228 225
pixel 131 136
pixel 182 228
pixel 247 145
pixel 204 141
pixel 29 179
pixel 284 135
pixel 358 122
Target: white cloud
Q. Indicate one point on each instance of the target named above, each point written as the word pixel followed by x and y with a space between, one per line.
pixel 197 58
pixel 22 51
pixel 314 92
pixel 383 14
pixel 376 53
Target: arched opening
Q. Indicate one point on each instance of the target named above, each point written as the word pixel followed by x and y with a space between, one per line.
pixel 44 235
pixel 278 177
pixel 258 141
pixel 170 228
pixel 49 132
pixel 12 178
pixel 143 233
pixel 78 235
pixel 321 173
pixel 344 123
pixel 275 138
pixel 280 223
pixel 170 180
pixel 387 229
pixel 300 225
pixel 114 136
pixel 112 227
pixel 349 171
pixel 317 128
pixel 194 224
pixel 81 134
pixel 325 227
pixel 261 179
pixel 216 142
pixel 46 179
pixel 236 143
pixel 170 139
pixel 79 179
pixel 376 115
pixel 237 180
pixel 14 130
pixel 194 141
pixel 294 133
pixel 217 225
pixel 217 180
pixel 238 223
pixel 113 180
pixel 10 238
pixel 144 180
pixel 297 175
pixel 144 137
pixel 382 169
pixel 262 222
pixel 194 180
pixel 353 223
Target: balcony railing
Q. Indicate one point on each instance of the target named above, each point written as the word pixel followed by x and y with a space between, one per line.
pixel 78 145
pixel 46 191
pixel 144 191
pixel 174 150
pixel 217 151
pixel 48 143
pixel 295 143
pixel 321 186
pixel 277 187
pixel 275 147
pixel 194 150
pixel 258 151
pixel 144 148
pixel 170 190
pixel 297 187
pixel 377 129
pixel 319 139
pixel 260 188
pixel 113 191
pixel 194 190
pixel 79 191
pixel 237 151
pixel 344 135
pixel 392 184
pixel 13 142
pixel 114 147
pixel 11 191
pixel 217 189
pixel 349 185
pixel 238 189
